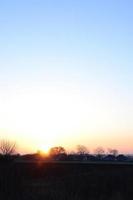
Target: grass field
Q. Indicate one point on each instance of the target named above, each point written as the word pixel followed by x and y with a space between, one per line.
pixel 61 181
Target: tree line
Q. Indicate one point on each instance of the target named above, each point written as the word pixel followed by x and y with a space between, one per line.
pixel 8 149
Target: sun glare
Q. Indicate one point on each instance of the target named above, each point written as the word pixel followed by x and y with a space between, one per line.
pixel 45 149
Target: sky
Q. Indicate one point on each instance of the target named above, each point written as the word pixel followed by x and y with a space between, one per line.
pixel 66 73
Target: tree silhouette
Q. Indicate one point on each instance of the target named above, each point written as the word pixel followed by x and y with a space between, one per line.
pixel 113 152
pixel 82 150
pixel 54 151
pixel 99 151
pixel 7 147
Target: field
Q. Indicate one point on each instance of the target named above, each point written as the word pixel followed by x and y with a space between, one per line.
pixel 66 181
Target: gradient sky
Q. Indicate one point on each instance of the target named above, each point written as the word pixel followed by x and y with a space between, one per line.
pixel 66 73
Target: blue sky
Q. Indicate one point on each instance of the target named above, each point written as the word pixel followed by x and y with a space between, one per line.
pixel 75 50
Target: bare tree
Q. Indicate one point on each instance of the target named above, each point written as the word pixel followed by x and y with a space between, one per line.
pixel 113 152
pixel 7 147
pixel 99 151
pixel 82 150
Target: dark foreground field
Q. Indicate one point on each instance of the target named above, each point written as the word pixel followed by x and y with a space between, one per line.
pixel 58 181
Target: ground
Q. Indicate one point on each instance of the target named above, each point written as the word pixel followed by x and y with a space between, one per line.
pixel 61 181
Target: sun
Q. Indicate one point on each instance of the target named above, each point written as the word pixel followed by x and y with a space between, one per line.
pixel 45 149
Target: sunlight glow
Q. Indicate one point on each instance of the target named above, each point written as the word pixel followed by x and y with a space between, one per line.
pixel 40 118
pixel 44 149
